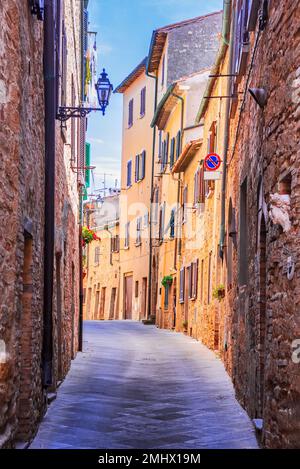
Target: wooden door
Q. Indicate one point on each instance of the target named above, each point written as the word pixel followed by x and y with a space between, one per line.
pixel 102 302
pixel 112 303
pixel 128 297
pixel 144 298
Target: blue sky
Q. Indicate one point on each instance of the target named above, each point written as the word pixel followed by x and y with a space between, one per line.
pixel 124 31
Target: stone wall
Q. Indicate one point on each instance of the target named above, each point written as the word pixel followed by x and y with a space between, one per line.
pixel 264 317
pixel 21 218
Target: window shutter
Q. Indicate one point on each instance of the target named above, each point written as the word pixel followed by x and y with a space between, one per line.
pixel 87 164
pixel 160 145
pixel 167 150
pixel 201 186
pixel 129 167
pixel 137 174
pixel 172 152
pixel 64 53
pixel 162 165
pixel 195 267
pixel 130 113
pixel 181 287
pixel 172 223
pixel 178 144
pixel 143 164
pixel 81 148
pixel 143 101
pixel 184 204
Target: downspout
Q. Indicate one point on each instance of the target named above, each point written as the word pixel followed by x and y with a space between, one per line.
pixel 50 115
pixel 80 315
pixel 227 35
pixel 151 197
pixel 179 176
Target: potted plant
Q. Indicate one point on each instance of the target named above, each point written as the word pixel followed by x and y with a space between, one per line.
pixel 167 281
pixel 185 325
pixel 219 292
pixel 88 235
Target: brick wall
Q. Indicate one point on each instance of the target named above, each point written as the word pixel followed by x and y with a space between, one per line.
pixel 21 210
pixel 264 316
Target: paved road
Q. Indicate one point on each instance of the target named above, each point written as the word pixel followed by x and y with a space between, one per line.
pixel 138 387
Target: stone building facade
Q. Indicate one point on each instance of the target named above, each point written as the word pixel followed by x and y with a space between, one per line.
pixel 136 186
pixel 102 262
pixel 39 279
pixel 262 220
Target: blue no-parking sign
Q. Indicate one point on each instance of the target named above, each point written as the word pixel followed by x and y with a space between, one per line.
pixel 212 162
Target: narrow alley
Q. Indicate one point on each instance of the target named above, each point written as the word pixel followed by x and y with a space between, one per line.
pixel 124 393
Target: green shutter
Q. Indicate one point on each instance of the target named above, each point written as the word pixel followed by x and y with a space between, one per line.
pixel 87 164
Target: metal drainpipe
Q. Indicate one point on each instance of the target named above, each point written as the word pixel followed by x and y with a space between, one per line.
pixel 227 122
pixel 179 176
pixel 151 199
pixel 50 115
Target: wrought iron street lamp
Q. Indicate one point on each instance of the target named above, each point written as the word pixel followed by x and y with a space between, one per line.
pixel 103 88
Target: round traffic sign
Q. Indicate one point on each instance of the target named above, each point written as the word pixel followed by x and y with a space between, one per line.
pixel 212 162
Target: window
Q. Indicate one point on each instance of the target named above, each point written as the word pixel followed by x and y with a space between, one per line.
pixel 143 102
pixel 253 7
pixel 243 251
pixel 184 204
pixel 172 152
pixel 172 223
pixel 140 163
pixel 138 241
pixel 241 44
pixel 178 144
pixel 130 113
pixel 163 71
pixel 127 230
pixel 136 289
pixel 115 243
pixel 199 186
pixel 129 171
pixel 181 287
pixel 97 255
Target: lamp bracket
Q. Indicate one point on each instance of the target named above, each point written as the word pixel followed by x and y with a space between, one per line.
pixel 66 112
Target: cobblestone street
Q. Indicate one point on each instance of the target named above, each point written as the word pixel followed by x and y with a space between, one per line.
pixel 136 386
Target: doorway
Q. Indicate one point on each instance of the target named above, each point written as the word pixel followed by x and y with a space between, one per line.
pixel 96 307
pixel 128 281
pixel 112 303
pixel 102 302
pixel 144 298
